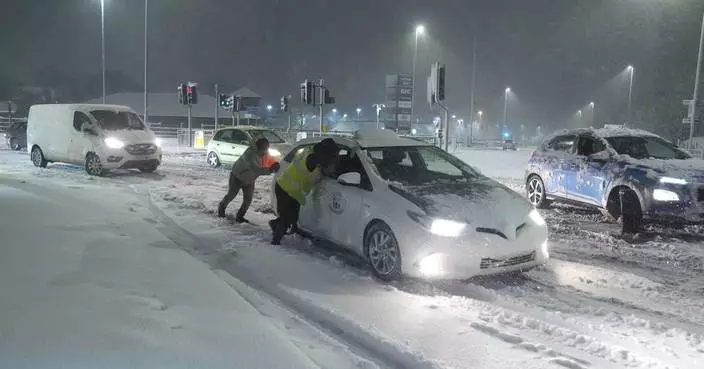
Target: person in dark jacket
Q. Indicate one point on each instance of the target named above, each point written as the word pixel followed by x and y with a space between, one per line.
pixel 244 173
pixel 296 182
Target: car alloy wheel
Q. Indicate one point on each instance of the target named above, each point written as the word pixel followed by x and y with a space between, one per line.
pixel 536 192
pixel 93 165
pixel 383 252
pixel 38 158
pixel 213 159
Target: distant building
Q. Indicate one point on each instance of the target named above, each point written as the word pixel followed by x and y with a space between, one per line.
pixel 164 109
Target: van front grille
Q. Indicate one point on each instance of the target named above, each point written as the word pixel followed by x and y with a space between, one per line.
pixel 488 263
pixel 141 149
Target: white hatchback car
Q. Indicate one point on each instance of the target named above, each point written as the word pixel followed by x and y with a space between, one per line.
pixel 228 144
pixel 410 208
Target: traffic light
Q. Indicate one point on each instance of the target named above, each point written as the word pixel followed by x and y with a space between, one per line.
pixel 226 101
pixel 191 93
pixel 308 92
pixel 441 83
pixel 327 98
pixel 284 103
pixel 181 88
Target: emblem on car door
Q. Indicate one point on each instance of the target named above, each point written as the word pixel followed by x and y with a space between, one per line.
pixel 337 203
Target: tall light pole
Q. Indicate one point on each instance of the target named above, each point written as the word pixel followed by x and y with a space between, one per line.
pixel 359 111
pixel 508 91
pixel 695 94
pixel 631 70
pixel 579 114
pixel 146 23
pixel 102 41
pixel 379 107
pixel 593 112
pixel 420 30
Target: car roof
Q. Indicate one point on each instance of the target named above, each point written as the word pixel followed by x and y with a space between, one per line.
pixel 246 128
pixel 88 106
pixel 368 139
pixel 605 132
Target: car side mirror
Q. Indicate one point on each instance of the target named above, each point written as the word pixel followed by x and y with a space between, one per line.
pixel 350 179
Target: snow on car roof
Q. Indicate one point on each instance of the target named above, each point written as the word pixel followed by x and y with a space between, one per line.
pixel 622 131
pixel 370 138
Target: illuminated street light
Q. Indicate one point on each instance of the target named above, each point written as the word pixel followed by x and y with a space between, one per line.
pixel 334 110
pixel 269 107
pixel 630 90
pixel 420 31
pixel 508 91
pixel 344 115
pixel 454 116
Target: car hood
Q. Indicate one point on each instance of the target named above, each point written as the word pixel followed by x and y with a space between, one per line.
pixel 481 203
pixel 689 169
pixel 131 136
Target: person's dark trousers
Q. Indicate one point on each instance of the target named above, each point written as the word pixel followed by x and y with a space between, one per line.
pixel 232 189
pixel 288 209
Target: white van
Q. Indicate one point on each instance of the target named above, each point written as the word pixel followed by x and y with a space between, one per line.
pixel 99 137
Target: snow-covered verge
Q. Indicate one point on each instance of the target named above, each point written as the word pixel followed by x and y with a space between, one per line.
pixel 87 283
pixel 601 302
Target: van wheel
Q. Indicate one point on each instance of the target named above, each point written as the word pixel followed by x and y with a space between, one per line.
pixel 382 252
pixel 93 165
pixel 38 158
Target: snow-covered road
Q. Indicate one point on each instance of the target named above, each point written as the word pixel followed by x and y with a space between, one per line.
pixel 601 302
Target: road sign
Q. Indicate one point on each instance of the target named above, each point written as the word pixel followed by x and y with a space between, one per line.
pixel 399 94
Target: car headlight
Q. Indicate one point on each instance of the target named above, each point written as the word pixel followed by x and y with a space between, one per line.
pixel 157 142
pixel 114 143
pixel 536 217
pixel 672 180
pixel 274 152
pixel 440 227
pixel 665 195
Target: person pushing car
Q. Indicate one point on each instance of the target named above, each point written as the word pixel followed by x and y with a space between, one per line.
pixel 244 173
pixel 296 182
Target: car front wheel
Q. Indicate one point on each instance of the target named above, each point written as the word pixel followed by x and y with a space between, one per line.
pixel 535 189
pixel 213 159
pixel 382 252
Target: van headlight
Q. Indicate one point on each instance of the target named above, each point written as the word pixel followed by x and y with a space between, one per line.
pixel 536 217
pixel 114 143
pixel 157 142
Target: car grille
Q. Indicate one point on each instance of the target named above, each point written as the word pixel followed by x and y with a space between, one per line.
pixel 488 263
pixel 141 149
pixel 700 194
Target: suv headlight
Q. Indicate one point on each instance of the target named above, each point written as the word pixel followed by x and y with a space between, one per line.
pixel 157 142
pixel 114 143
pixel 665 195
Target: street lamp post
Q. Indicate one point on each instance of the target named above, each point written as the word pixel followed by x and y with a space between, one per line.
pixel 102 41
pixel 359 111
pixel 579 114
pixel 508 91
pixel 695 94
pixel 593 112
pixel 420 30
pixel 146 23
pixel 378 107
pixel 630 92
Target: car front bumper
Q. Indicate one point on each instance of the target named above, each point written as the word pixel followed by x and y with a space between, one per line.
pixel 688 209
pixel 429 256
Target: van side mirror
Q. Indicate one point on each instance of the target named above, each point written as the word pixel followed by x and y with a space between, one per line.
pixel 350 179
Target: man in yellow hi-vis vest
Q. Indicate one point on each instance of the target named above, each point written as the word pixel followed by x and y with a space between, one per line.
pixel 296 182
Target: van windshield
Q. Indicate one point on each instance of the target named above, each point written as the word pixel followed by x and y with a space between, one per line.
pixel 111 120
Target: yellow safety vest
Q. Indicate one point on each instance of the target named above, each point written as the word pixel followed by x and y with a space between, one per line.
pixel 297 180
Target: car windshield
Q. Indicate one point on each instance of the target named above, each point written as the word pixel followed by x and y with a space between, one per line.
pixel 111 120
pixel 419 165
pixel 265 133
pixel 644 147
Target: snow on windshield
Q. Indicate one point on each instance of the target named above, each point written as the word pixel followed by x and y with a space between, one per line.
pixel 414 166
pixel 112 120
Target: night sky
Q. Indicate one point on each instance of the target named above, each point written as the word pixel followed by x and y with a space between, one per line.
pixel 555 54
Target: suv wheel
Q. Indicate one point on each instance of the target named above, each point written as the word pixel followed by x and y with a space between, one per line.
pixel 535 189
pixel 624 205
pixel 38 158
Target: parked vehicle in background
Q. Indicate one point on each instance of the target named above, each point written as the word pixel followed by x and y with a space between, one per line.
pixel 410 208
pixel 509 145
pixel 629 174
pixel 16 136
pixel 99 137
pixel 229 143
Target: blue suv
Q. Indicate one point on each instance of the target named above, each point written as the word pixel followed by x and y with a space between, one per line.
pixel 629 174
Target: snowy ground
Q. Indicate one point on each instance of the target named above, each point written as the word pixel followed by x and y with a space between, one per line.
pixel 601 302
